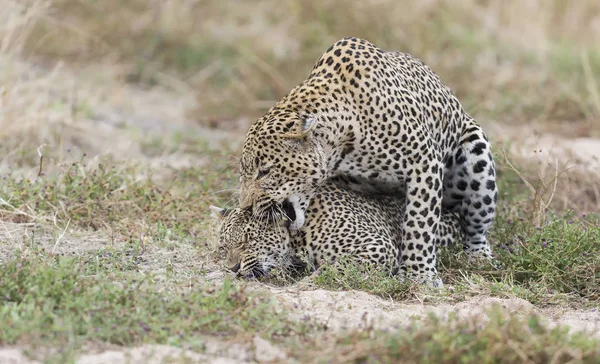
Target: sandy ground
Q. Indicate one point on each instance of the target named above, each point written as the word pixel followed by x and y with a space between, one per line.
pixel 533 143
pixel 355 309
pixel 339 310
pixel 159 111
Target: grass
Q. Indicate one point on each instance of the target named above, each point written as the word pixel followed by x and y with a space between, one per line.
pixel 501 340
pixel 113 197
pixel 562 255
pixel 60 300
pixel 345 275
pixel 501 63
pixel 557 262
pixel 54 300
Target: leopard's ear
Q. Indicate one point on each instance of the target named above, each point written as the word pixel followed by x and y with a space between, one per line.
pixel 218 213
pixel 302 127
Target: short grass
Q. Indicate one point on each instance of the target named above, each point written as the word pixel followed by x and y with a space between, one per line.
pixel 344 275
pixel 65 302
pixel 555 262
pixel 117 197
pixel 501 340
pixel 62 302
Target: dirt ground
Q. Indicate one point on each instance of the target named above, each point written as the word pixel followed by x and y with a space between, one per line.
pixel 158 111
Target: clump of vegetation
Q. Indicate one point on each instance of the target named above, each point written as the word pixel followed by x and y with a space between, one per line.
pixel 50 300
pixel 345 274
pixel 118 198
pixel 501 340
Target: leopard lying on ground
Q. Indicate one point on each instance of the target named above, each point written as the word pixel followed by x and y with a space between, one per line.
pixel 381 116
pixel 340 222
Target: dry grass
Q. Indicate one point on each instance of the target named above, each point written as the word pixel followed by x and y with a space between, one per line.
pixel 545 184
pixel 26 117
pixel 59 112
pixel 509 61
pixel 43 110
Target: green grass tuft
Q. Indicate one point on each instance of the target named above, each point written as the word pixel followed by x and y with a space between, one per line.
pixel 56 300
pixel 346 275
pixel 501 340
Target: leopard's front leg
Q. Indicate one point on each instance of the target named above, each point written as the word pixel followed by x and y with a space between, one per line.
pixel 421 221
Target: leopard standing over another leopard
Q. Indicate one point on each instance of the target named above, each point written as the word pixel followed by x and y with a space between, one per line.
pixel 384 117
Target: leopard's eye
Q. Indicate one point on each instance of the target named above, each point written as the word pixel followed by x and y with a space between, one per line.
pixel 262 172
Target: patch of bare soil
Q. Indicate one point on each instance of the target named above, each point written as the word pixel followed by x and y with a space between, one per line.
pixel 155 354
pixel 256 350
pixel 355 309
pixel 532 142
pixel 215 352
pixel 15 237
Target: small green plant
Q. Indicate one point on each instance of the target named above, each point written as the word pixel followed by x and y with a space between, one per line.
pixel 504 339
pixel 346 274
pixel 112 198
pixel 49 300
pixel 563 255
pixel 546 257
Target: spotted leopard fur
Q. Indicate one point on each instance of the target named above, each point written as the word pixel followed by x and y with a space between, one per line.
pixel 384 117
pixel 341 222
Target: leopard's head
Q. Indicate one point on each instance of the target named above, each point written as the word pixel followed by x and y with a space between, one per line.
pixel 252 247
pixel 283 161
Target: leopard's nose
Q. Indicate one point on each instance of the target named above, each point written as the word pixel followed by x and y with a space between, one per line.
pixel 236 268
